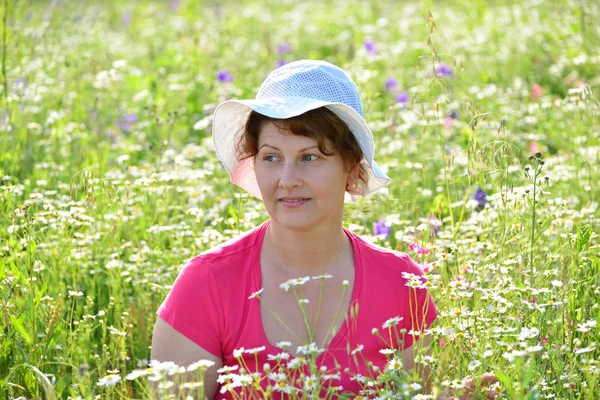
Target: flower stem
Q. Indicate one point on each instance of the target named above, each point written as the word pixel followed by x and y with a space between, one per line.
pixel 319 305
pixel 335 317
pixel 4 21
pixel 533 227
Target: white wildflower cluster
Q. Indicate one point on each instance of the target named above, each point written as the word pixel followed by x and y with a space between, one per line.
pixel 427 281
pixel 587 326
pixel 230 381
pixel 528 333
pixel 278 376
pixel 238 353
pixel 310 349
pixel 157 370
pixel 302 280
pixel 511 355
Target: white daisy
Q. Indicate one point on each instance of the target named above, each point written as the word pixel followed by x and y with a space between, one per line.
pixel 392 322
pixel 294 282
pixel 256 294
pixel 109 380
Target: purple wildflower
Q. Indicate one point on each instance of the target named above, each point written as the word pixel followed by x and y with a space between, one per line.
pixel 391 84
pixel 9 282
pixel 174 5
pixel 434 224
pixel 402 98
pixel 280 63
pixel 126 120
pixel 382 229
pixel 283 48
pixel 444 70
pixel 370 47
pixel 20 84
pixel 224 76
pixel 126 18
pixel 480 197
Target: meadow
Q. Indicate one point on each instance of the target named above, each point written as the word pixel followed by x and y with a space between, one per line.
pixel 486 116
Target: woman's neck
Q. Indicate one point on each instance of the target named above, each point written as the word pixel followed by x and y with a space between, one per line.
pixel 302 253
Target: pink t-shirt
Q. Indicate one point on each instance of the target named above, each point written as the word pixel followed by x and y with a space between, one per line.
pixel 209 304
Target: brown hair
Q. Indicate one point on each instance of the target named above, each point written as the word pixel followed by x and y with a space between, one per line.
pixel 332 135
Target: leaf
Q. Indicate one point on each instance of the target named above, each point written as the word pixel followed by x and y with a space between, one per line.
pixel 61 385
pixel 583 237
pixel 232 211
pixel 529 374
pixel 16 323
pixel 44 382
pixel 16 271
pixel 504 380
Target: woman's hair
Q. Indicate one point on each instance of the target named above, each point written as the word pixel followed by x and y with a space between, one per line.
pixel 332 135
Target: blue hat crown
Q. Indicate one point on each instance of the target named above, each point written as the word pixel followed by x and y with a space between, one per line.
pixel 312 79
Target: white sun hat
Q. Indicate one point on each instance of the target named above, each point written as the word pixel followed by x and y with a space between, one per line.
pixel 289 91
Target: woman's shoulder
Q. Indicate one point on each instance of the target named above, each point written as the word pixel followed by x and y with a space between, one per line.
pixel 232 253
pixel 386 259
pixel 234 247
pixel 375 250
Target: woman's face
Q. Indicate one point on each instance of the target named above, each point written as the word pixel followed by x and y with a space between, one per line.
pixel 292 166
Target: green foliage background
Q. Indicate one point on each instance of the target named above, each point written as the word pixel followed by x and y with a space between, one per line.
pixel 97 214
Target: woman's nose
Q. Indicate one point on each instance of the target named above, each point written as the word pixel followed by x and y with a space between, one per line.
pixel 290 176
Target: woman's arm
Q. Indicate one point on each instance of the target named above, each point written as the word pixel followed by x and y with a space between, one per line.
pixel 408 358
pixel 170 345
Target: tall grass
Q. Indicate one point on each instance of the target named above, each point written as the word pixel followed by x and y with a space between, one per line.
pixel 109 183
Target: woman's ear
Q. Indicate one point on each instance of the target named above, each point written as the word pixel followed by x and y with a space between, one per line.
pixel 352 179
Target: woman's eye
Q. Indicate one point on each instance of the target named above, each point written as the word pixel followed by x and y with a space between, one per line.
pixel 269 157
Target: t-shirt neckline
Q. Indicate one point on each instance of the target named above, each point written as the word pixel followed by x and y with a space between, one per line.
pixel 342 332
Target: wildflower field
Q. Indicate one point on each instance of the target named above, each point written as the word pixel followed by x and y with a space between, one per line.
pixel 486 116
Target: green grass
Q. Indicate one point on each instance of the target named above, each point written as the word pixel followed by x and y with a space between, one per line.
pixel 90 206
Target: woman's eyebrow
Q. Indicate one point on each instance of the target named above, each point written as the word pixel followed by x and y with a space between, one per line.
pixel 273 147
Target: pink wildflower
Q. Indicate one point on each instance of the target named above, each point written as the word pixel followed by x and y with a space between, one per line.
pixel 425 266
pixel 533 147
pixel 417 248
pixel 448 122
pixel 536 91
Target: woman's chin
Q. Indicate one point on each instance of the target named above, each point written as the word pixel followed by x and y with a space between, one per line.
pixel 297 221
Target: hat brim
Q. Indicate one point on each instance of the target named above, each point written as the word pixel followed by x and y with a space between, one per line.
pixel 230 117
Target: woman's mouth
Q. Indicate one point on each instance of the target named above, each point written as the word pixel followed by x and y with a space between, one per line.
pixel 294 202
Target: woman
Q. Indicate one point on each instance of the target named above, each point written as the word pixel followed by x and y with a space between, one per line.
pixel 303 147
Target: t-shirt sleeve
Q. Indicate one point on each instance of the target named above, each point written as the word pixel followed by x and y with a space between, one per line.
pixel 193 306
pixel 420 311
